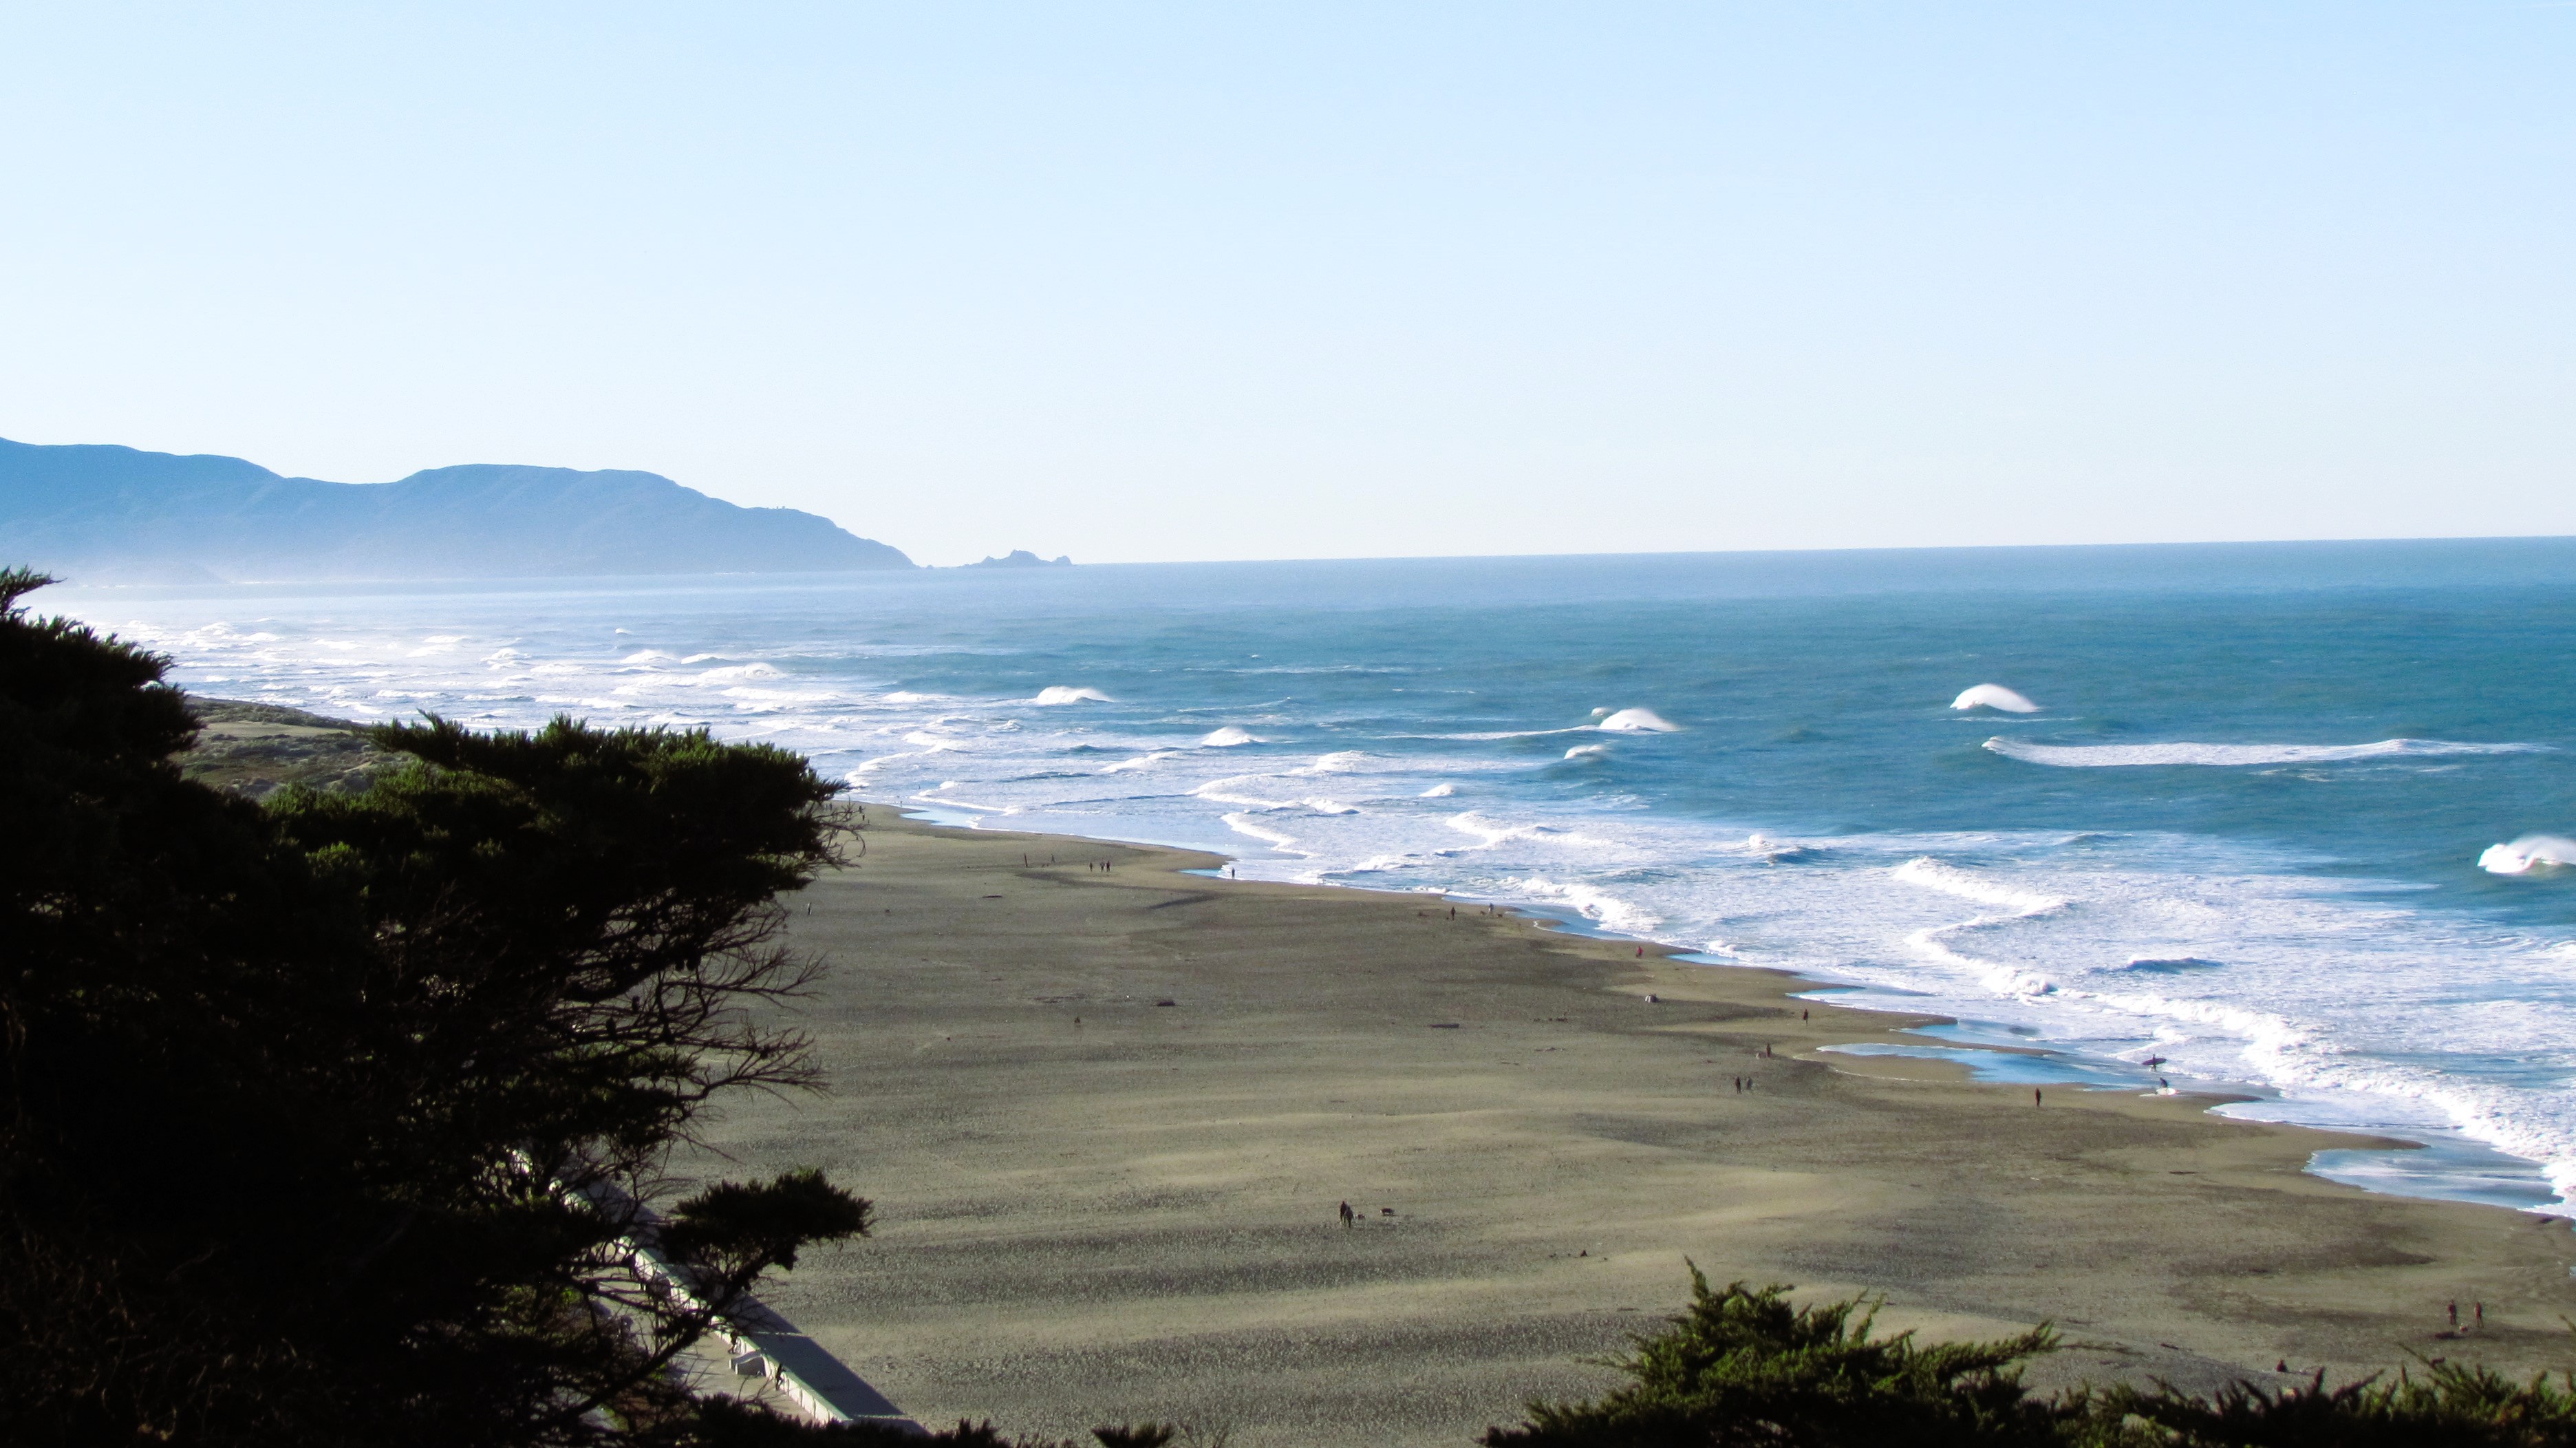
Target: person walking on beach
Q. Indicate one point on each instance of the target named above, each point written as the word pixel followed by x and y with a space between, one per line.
pixel 1346 1214
pixel 2034 1096
pixel 2455 1316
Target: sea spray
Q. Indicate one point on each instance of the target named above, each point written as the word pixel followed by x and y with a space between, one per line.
pixel 2531 852
pixel 1993 696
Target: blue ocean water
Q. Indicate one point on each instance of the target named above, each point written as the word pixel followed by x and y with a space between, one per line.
pixel 2239 831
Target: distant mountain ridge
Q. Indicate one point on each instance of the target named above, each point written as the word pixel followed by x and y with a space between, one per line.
pixel 107 514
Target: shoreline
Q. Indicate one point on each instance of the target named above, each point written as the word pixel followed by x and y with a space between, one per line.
pixel 1097 1206
pixel 2391 1146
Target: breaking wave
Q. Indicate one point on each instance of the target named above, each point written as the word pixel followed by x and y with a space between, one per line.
pixel 1994 696
pixel 1637 721
pixel 1062 694
pixel 2106 756
pixel 2531 852
pixel 2169 964
pixel 1930 942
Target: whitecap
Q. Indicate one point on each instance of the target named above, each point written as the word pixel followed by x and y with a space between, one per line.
pixel 1243 825
pixel 1054 694
pixel 1226 738
pixel 1592 903
pixel 1494 832
pixel 2107 756
pixel 1380 864
pixel 1230 791
pixel 1994 696
pixel 1638 721
pixel 1141 761
pixel 2531 852
pixel 1342 762
pixel 1588 751
pixel 1972 885
pixel 906 696
pixel 650 656
pixel 738 671
pixel 2169 964
pixel 1985 890
pixel 1440 791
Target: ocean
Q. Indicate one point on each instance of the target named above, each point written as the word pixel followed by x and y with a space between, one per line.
pixel 2285 819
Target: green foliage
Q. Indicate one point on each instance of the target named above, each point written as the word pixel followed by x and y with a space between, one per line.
pixel 1745 1366
pixel 731 1224
pixel 2450 1406
pixel 332 1121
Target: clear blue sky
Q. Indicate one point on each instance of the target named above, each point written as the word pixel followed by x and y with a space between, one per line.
pixel 1229 281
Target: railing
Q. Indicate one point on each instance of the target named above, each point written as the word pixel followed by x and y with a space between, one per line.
pixel 759 1341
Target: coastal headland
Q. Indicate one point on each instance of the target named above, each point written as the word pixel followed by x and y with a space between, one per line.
pixel 1109 1112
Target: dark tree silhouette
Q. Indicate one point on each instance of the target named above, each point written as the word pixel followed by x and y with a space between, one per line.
pixel 331 1120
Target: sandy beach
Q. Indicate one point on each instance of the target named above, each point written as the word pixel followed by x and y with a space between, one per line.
pixel 1108 1117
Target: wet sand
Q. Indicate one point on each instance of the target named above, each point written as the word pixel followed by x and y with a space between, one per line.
pixel 1108 1119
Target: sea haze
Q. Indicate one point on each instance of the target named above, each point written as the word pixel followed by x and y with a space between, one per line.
pixel 2242 830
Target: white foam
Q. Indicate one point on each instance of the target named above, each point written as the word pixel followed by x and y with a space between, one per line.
pixel 1054 694
pixel 1970 885
pixel 1994 696
pixel 2112 756
pixel 1588 751
pixel 1929 942
pixel 1244 825
pixel 1439 791
pixel 738 672
pixel 1638 721
pixel 1592 903
pixel 1226 738
pixel 906 696
pixel 2531 852
pixel 1141 761
pixel 650 656
pixel 1342 762
pixel 1231 791
pixel 1493 833
pixel 2168 964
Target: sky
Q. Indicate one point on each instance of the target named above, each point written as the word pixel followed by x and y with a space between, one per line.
pixel 1146 282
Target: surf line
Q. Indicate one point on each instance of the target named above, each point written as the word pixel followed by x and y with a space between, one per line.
pixel 1931 874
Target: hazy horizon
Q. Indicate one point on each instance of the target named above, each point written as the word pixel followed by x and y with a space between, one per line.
pixel 1143 285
